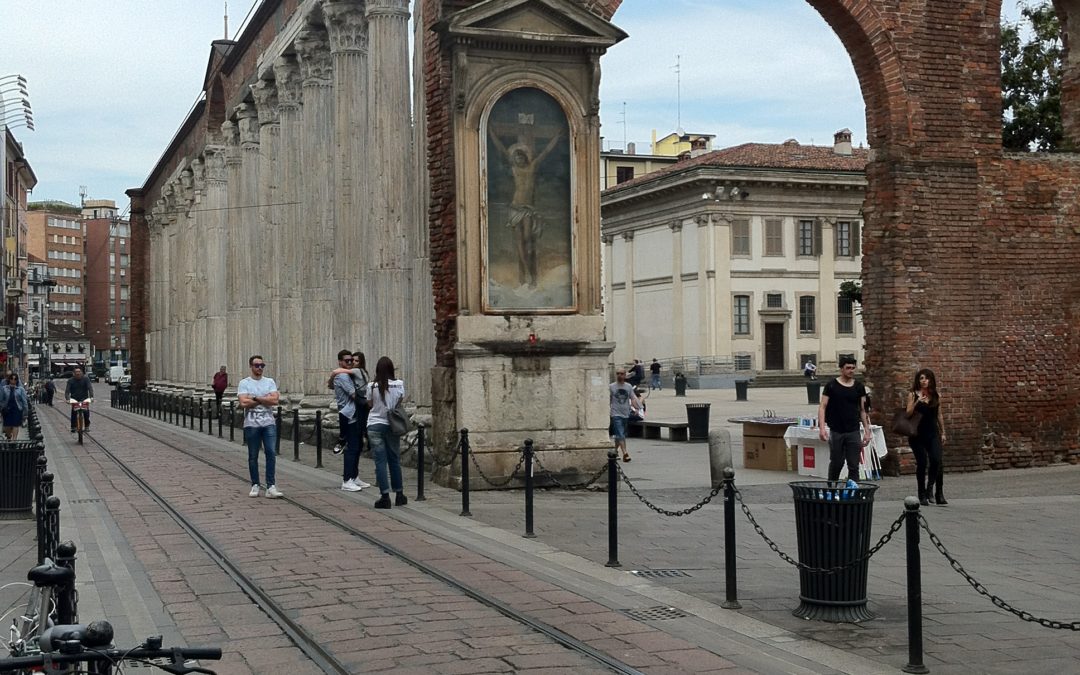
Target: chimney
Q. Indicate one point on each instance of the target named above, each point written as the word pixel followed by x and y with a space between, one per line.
pixel 842 142
pixel 631 148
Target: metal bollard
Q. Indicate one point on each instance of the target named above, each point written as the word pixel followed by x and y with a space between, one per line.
pixel 613 508
pixel 219 419
pixel 191 410
pixel 277 423
pixel 67 609
pixel 529 489
pixel 731 587
pixel 45 491
pixel 201 406
pixel 209 418
pixel 914 589
pixel 183 411
pixel 318 439
pixel 296 434
pixel 52 527
pixel 232 420
pixel 465 474
pixel 420 464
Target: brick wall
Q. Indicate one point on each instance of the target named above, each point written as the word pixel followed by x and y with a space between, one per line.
pixel 971 259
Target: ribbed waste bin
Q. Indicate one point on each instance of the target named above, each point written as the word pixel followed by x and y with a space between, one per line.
pixel 680 384
pixel 833 525
pixel 813 392
pixel 741 388
pixel 697 416
pixel 18 463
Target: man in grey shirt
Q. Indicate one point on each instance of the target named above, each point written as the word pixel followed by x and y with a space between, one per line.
pixel 345 395
pixel 622 398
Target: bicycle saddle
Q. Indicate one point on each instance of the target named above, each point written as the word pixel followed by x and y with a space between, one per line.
pixel 96 634
pixel 50 574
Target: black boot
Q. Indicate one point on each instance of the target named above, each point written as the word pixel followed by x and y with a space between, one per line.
pixel 401 499
pixel 939 499
pixel 923 500
pixel 384 502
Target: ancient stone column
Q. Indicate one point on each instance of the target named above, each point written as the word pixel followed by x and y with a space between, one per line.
pixel 267 244
pixel 288 315
pixel 249 270
pixel 197 364
pixel 316 161
pixel 231 134
pixel 216 263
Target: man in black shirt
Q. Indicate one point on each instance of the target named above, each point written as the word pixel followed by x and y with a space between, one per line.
pixel 79 388
pixel 842 408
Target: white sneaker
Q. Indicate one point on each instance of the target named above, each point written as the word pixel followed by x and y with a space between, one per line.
pixel 273 493
pixel 338 448
pixel 350 486
pixel 361 484
pixel 254 491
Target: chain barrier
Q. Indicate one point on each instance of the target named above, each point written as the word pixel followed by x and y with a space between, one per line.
pixel 498 484
pixel 885 539
pixel 435 463
pixel 979 588
pixel 661 510
pixel 576 486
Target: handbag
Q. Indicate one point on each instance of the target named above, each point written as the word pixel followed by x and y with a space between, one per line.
pixel 904 425
pixel 398 419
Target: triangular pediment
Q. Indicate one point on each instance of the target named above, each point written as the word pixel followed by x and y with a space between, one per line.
pixel 542 21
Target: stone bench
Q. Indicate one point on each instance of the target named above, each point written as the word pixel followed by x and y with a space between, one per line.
pixel 677 431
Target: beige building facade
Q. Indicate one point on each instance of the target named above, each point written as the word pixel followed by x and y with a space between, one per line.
pixel 736 258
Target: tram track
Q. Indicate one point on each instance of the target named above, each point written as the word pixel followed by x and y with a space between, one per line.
pixel 302 638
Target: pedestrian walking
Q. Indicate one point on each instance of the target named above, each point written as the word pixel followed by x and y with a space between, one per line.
pixel 842 408
pixel 348 423
pixel 383 395
pixel 14 404
pixel 78 388
pixel 50 392
pixel 220 384
pixel 258 395
pixel 928 444
pixel 622 398
pixel 654 369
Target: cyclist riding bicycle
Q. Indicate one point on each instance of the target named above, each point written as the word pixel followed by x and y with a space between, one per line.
pixel 79 389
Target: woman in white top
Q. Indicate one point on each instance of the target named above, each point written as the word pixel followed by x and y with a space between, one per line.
pixel 382 395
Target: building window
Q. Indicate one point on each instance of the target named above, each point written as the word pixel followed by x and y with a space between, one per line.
pixel 774 237
pixel 809 243
pixel 741 319
pixel 623 174
pixel 774 300
pixel 807 318
pixel 845 316
pixel 740 237
pixel 743 362
pixel 847 239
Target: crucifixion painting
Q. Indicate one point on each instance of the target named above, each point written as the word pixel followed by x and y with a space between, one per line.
pixel 529 252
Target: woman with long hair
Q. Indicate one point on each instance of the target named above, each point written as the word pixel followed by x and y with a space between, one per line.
pixel 383 394
pixel 13 405
pixel 927 443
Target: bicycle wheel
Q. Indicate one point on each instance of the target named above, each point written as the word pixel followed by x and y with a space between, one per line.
pixel 80 424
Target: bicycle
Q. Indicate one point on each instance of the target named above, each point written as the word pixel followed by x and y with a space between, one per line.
pixel 64 647
pixel 82 409
pixel 49 603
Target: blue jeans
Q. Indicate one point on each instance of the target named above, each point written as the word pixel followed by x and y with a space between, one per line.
pixel 618 428
pixel 267 437
pixel 655 384
pixel 385 447
pixel 350 464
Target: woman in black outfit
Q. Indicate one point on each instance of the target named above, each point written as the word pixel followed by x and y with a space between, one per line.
pixel 927 443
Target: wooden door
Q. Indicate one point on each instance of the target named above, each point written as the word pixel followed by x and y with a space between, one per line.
pixel 774 346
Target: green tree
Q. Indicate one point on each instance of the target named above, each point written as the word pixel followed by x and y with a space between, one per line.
pixel 1031 66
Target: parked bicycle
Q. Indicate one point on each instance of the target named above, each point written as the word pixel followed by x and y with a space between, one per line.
pixel 82 411
pixel 48 603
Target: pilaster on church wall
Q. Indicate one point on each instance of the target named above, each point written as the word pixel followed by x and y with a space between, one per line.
pixel 288 315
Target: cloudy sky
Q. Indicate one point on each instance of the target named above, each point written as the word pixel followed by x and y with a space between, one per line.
pixel 111 80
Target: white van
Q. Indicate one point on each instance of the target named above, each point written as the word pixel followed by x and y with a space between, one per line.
pixel 114 374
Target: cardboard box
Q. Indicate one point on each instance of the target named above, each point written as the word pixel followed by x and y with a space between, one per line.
pixel 766 452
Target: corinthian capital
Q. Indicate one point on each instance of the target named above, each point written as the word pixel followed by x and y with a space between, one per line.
pixel 214 159
pixel 287 75
pixel 266 101
pixel 313 49
pixel 247 121
pixel 388 8
pixel 347 24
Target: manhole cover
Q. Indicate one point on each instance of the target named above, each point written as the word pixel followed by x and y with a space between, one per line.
pixel 655 613
pixel 659 574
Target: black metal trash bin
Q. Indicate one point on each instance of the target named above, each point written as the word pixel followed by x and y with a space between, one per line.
pixel 697 416
pixel 680 384
pixel 18 465
pixel 813 392
pixel 741 388
pixel 833 525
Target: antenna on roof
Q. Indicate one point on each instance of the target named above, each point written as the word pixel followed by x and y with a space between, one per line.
pixel 678 92
pixel 82 195
pixel 624 126
pixel 226 19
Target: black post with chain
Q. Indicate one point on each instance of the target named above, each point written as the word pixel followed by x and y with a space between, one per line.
pixel 731 586
pixel 232 421
pixel 613 508
pixel 202 413
pixel 465 474
pixel 318 439
pixel 420 464
pixel 219 409
pixel 296 434
pixel 914 589
pixel 529 534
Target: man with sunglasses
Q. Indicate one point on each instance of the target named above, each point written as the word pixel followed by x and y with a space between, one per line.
pixel 258 395
pixel 345 395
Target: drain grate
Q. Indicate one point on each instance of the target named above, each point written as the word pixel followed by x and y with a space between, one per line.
pixel 654 613
pixel 96 500
pixel 659 574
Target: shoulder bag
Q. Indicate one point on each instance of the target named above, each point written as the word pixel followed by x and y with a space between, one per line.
pixel 398 419
pixel 904 425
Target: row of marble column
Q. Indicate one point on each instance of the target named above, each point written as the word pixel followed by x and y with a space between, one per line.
pixel 297 231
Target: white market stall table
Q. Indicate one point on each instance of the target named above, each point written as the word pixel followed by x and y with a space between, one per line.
pixel 812 453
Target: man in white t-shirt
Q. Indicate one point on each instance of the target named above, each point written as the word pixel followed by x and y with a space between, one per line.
pixel 258 395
